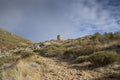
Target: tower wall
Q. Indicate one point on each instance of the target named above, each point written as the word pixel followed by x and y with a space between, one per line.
pixel 59 37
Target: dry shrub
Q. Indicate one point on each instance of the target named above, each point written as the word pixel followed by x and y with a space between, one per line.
pixel 102 58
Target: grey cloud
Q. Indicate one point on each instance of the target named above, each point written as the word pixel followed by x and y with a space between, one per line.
pixel 40 20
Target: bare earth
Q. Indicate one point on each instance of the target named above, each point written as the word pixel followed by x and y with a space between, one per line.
pixel 53 69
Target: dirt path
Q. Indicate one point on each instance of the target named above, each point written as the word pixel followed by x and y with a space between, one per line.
pixel 53 69
pixel 49 69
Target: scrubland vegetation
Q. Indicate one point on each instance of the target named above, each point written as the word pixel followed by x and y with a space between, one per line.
pixel 93 57
pixel 9 40
pixel 100 50
pixel 19 64
pixel 104 47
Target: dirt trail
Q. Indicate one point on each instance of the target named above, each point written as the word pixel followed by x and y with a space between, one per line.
pixel 53 69
pixel 49 69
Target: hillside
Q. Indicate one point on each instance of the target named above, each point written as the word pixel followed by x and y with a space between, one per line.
pixel 93 57
pixel 87 45
pixel 98 55
pixel 9 40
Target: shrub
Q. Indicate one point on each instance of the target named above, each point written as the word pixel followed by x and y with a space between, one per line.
pixel 79 51
pixel 1 63
pixel 81 59
pixel 38 62
pixel 118 57
pixel 102 58
pixel 51 51
pixel 50 54
pixel 24 54
pixel 48 51
pixel 7 59
pixel 96 36
pixel 69 54
pixel 37 50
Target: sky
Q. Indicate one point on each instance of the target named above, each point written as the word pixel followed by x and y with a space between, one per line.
pixel 41 20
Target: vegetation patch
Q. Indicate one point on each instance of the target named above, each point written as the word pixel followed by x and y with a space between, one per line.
pixel 24 54
pixel 9 41
pixel 103 58
pixel 6 59
pixel 81 59
pixel 51 51
pixel 73 53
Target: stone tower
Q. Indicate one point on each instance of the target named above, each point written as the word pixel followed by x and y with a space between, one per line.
pixel 59 37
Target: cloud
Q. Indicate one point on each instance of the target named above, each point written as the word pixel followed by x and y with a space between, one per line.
pixel 10 20
pixel 94 15
pixel 40 20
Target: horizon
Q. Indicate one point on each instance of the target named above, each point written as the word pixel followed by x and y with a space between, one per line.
pixel 42 20
pixel 60 35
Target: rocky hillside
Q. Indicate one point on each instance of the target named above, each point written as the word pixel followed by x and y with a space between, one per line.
pixel 9 40
pixel 72 48
pixel 93 57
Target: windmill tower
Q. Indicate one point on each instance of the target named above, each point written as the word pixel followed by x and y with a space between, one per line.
pixel 59 38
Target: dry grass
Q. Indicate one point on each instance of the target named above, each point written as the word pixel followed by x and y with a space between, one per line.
pixel 25 69
pixel 9 40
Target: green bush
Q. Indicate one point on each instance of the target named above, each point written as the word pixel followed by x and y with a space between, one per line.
pixel 79 51
pixel 1 63
pixel 51 51
pixel 71 53
pixel 50 54
pixel 48 51
pixel 7 59
pixel 24 54
pixel 81 59
pixel 118 58
pixel 102 58
pixel 37 51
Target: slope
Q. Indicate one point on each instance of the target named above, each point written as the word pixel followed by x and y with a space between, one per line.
pixel 9 40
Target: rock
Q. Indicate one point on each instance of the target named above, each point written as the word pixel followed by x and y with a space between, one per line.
pixel 6 65
pixel 36 46
pixel 46 43
pixel 33 64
